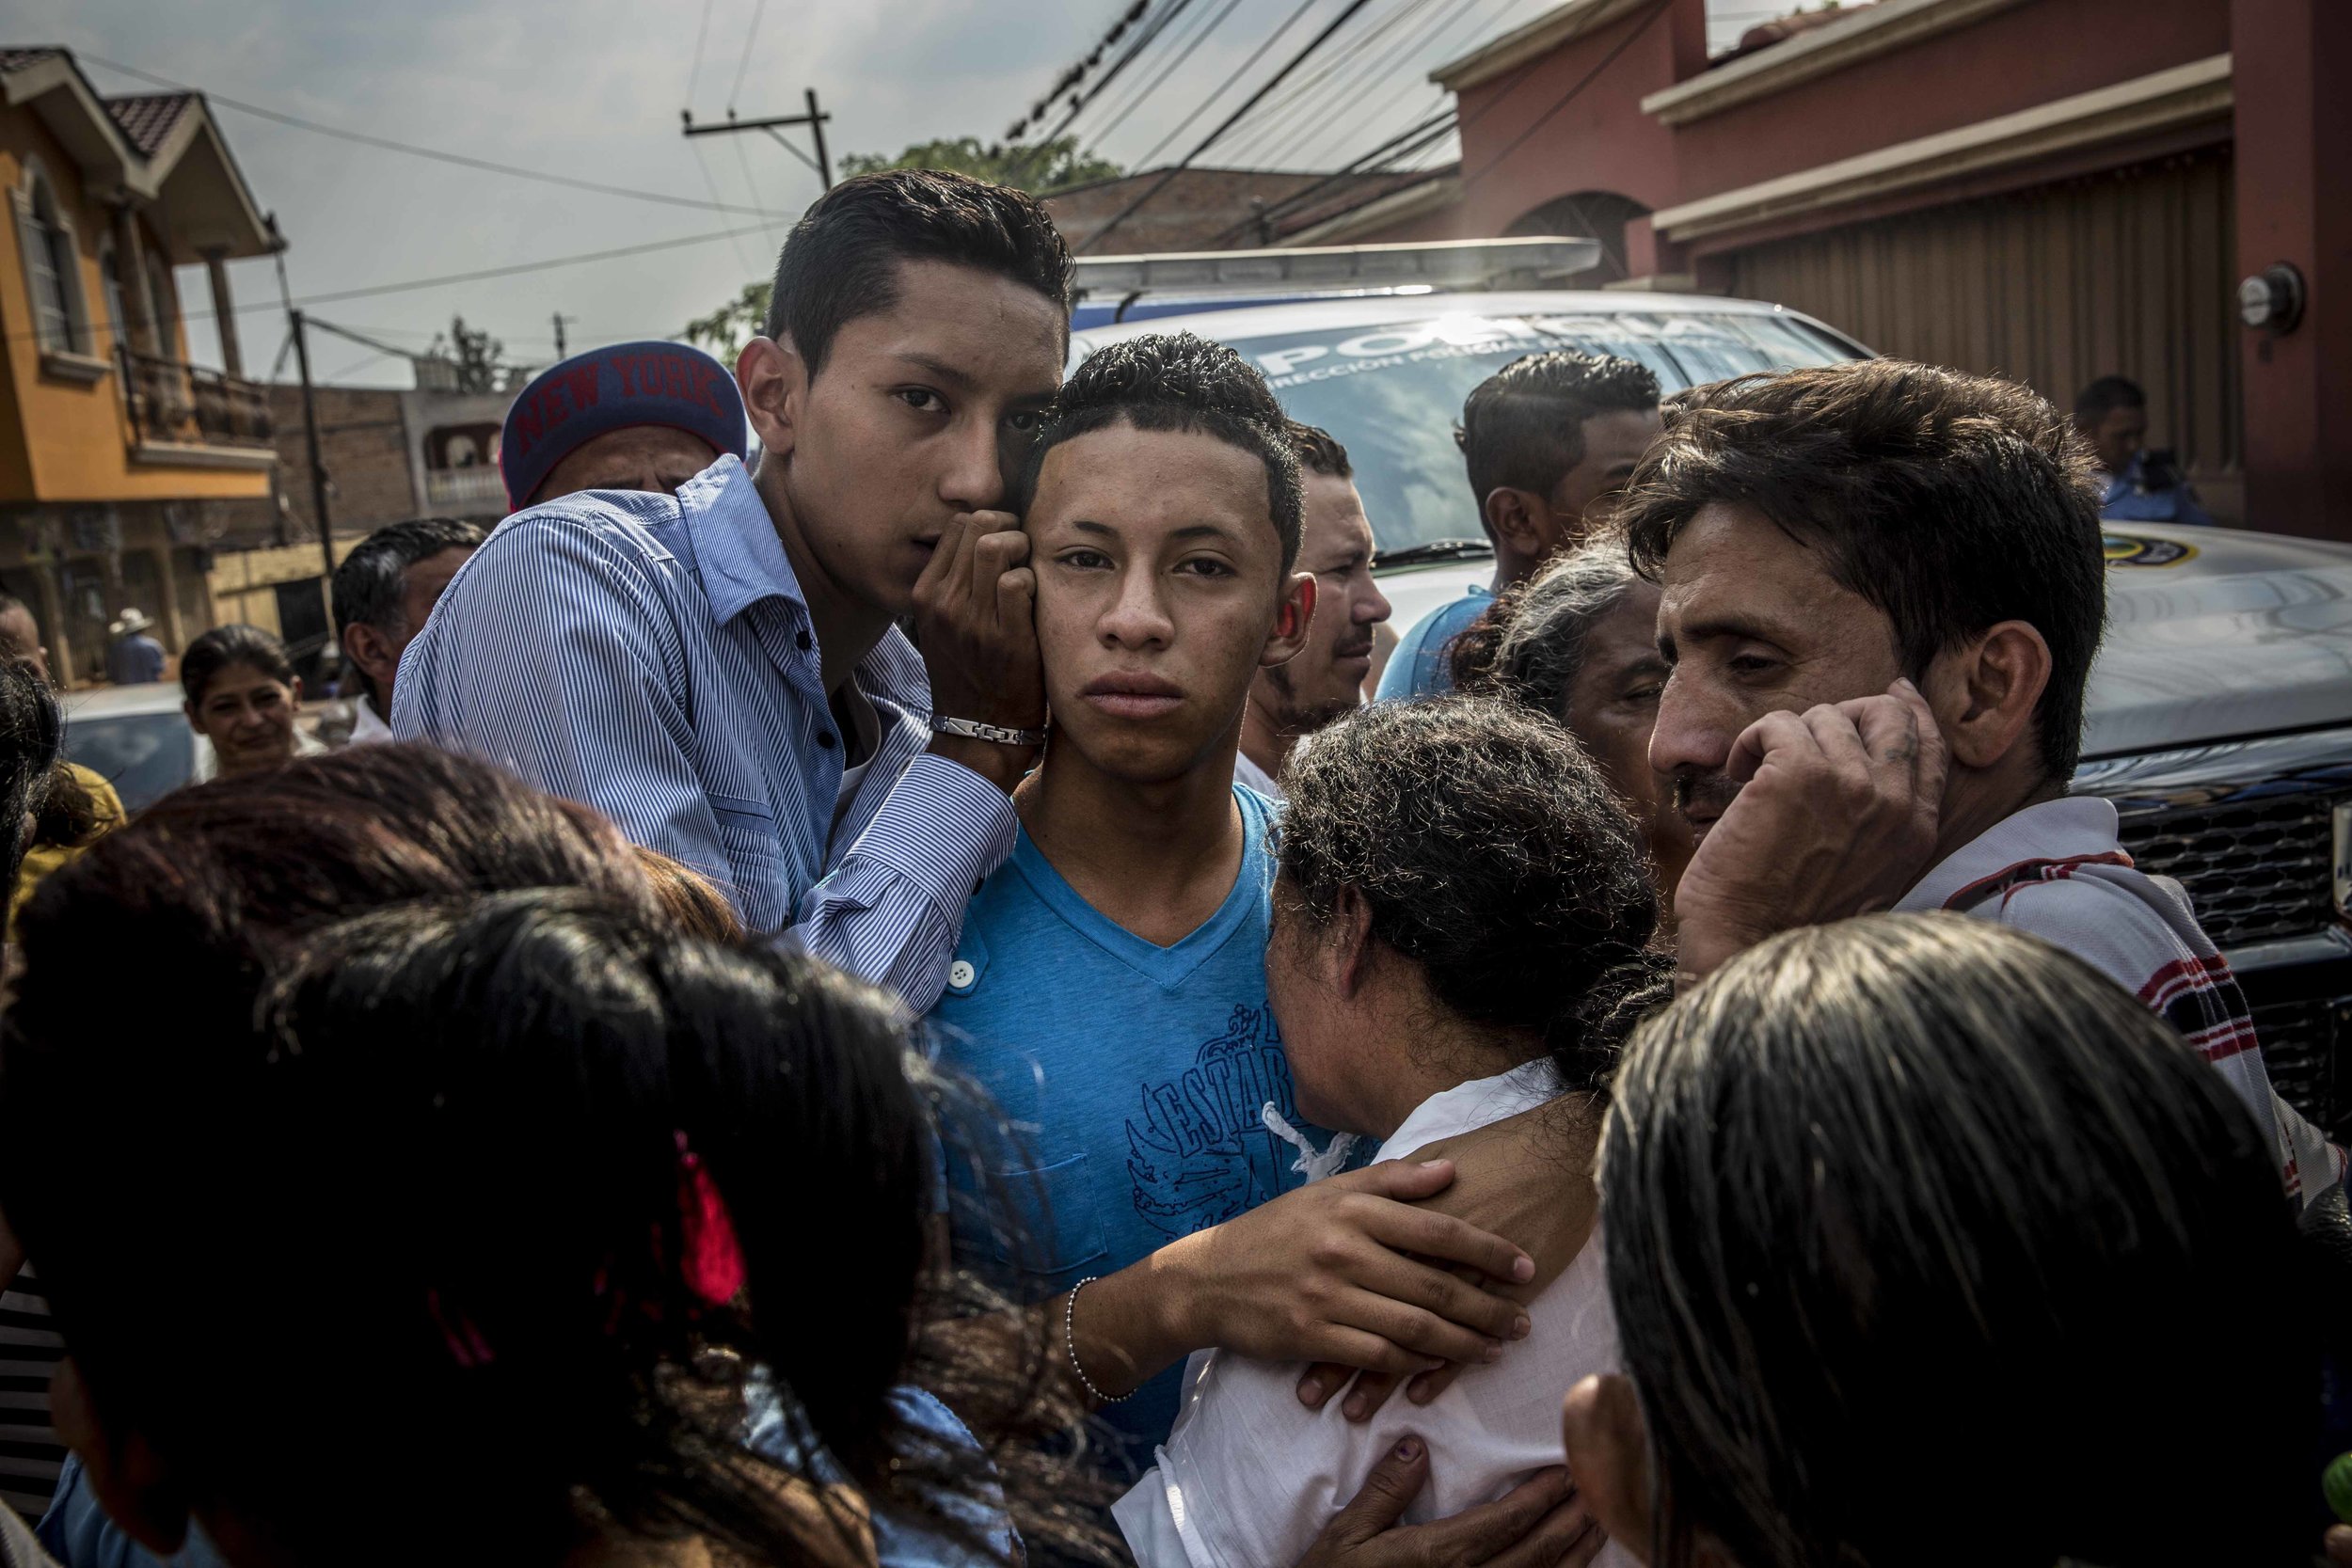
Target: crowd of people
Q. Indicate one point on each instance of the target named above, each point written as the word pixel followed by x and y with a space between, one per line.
pixel 899 1004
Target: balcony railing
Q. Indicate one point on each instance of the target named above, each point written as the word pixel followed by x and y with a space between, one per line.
pixel 466 490
pixel 187 405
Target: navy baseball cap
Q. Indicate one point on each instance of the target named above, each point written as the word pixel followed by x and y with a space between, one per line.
pixel 569 404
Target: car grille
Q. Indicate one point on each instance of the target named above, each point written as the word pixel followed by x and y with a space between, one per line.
pixel 2255 869
pixel 2303 1045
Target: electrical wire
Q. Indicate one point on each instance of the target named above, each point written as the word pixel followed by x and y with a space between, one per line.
pixel 702 34
pixel 1198 37
pixel 482 275
pixel 1655 11
pixel 1242 70
pixel 1325 140
pixel 1347 13
pixel 744 64
pixel 1309 115
pixel 387 143
pixel 1328 83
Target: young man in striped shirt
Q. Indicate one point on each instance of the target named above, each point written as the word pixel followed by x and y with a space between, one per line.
pixel 719 671
pixel 1883 587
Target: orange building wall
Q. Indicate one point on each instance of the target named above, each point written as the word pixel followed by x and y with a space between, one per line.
pixel 64 440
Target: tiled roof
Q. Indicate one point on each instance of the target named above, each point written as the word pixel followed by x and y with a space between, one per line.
pixel 148 118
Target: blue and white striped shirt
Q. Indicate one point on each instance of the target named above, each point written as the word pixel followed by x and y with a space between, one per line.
pixel 654 657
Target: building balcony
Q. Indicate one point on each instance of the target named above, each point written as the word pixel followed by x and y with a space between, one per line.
pixel 468 491
pixel 185 416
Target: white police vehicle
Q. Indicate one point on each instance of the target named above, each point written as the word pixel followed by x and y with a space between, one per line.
pixel 2220 709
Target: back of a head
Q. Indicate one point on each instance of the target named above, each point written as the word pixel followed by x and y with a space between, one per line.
pixel 1528 644
pixel 841 260
pixel 31 733
pixel 1919 1202
pixel 1951 502
pixel 223 646
pixel 1523 427
pixel 513 1190
pixel 372 582
pixel 1178 382
pixel 1492 855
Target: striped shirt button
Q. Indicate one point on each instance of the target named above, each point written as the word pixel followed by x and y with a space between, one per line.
pixel 959 974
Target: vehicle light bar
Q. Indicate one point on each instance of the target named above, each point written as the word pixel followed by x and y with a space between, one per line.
pixel 1308 269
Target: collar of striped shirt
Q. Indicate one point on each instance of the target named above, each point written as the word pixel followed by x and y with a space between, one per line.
pixel 2074 828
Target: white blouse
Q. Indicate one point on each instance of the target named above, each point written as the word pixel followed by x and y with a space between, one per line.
pixel 1249 1476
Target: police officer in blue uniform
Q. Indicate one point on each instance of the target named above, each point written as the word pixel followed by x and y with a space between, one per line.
pixel 2143 486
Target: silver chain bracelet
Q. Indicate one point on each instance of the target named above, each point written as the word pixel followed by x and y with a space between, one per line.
pixel 1069 1342
pixel 972 729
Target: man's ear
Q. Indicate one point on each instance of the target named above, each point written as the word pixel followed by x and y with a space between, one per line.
pixel 1291 621
pixel 1985 693
pixel 773 379
pixel 126 1476
pixel 1350 928
pixel 367 648
pixel 1519 519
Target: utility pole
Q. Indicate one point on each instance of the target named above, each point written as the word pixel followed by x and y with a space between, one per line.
pixel 814 119
pixel 311 443
pixel 559 319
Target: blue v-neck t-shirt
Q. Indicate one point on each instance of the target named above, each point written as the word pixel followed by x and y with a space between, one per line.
pixel 1133 1076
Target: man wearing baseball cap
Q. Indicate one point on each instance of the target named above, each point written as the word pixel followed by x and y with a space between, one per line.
pixel 634 417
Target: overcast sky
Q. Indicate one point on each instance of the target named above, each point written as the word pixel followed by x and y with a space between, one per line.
pixel 592 89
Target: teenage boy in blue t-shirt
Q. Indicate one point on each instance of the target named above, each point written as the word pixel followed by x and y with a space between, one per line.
pixel 1110 987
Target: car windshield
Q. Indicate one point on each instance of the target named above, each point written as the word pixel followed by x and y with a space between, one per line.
pixel 144 756
pixel 1393 393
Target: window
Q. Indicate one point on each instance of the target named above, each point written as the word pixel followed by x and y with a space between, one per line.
pixel 52 267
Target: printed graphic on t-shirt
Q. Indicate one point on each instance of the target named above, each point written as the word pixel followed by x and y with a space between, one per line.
pixel 1200 1154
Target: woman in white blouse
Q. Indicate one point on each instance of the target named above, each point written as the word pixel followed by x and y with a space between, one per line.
pixel 1461 932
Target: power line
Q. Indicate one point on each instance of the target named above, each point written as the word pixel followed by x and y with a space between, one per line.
pixel 387 143
pixel 1307 51
pixel 1568 96
pixel 1337 86
pixel 483 275
pixel 1073 77
pixel 744 64
pixel 701 33
pixel 1081 102
pixel 1133 102
pixel 1255 56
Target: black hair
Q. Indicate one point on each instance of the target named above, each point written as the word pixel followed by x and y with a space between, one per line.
pixel 1523 427
pixel 372 584
pixel 223 646
pixel 841 260
pixel 444 1173
pixel 31 734
pixel 1178 382
pixel 1490 853
pixel 1528 644
pixel 2094 403
pixel 1950 502
pixel 1911 1197
pixel 1318 450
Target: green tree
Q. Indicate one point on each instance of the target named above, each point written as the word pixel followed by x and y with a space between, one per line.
pixel 725 330
pixel 1039 169
pixel 480 359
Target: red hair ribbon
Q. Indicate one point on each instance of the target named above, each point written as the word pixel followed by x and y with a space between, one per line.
pixel 712 1258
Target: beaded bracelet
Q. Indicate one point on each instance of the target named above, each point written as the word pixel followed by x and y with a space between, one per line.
pixel 1069 1342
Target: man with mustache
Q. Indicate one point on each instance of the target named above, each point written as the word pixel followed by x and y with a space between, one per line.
pixel 1325 679
pixel 1882 586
